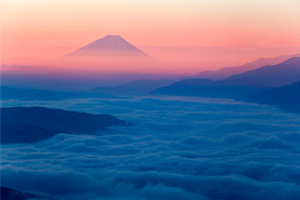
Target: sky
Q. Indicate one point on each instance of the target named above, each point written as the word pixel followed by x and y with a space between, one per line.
pixel 35 31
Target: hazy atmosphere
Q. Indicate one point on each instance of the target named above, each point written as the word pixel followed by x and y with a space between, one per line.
pixel 150 100
pixel 35 32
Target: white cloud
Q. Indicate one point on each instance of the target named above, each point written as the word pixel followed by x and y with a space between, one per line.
pixel 179 149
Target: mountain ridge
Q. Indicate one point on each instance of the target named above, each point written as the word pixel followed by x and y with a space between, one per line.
pixel 226 72
pixel 251 86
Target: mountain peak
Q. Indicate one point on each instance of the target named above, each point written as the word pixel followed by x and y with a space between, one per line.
pixel 112 36
pixel 110 45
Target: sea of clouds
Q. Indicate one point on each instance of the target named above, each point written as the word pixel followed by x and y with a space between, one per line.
pixel 180 148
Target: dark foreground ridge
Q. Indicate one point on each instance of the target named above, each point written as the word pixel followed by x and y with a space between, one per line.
pixel 33 124
pixel 11 194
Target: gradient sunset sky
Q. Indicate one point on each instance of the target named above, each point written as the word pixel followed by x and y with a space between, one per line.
pixel 34 31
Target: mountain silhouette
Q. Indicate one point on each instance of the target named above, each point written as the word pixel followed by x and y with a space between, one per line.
pixel 110 45
pixel 230 71
pixel 269 76
pixel 261 85
pixel 111 55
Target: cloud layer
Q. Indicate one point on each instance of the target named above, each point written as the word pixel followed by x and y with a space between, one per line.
pixel 181 148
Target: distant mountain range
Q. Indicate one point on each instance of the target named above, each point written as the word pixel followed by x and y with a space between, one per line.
pixel 230 71
pixel 137 87
pixel 256 85
pixel 144 86
pixel 110 45
pixel 32 124
pixel 43 95
pixel 269 76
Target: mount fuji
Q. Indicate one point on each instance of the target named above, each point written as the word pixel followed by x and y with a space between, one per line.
pixel 110 46
pixel 111 54
pixel 108 61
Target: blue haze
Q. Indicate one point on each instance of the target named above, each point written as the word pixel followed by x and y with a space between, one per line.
pixel 181 148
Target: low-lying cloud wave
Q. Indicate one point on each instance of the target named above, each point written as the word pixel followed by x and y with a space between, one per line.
pixel 181 148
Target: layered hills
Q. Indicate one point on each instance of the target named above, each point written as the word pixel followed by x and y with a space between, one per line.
pixel 271 84
pixel 230 71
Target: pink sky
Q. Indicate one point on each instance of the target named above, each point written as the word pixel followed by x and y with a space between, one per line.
pixel 172 31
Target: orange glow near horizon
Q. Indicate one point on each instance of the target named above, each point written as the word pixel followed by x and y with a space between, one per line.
pixel 34 32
